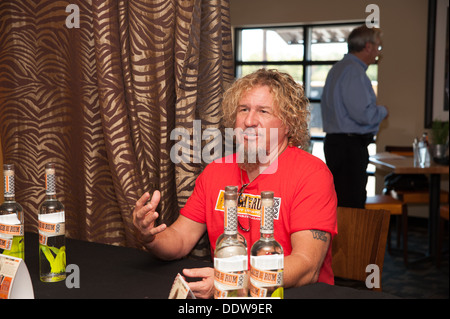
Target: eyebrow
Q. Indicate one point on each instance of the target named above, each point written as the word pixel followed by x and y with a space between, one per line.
pixel 258 106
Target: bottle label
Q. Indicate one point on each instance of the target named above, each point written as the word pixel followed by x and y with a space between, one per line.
pixel 50 183
pixel 230 274
pixel 266 271
pixel 229 281
pixel 230 220
pixel 5 243
pixel 10 225
pixel 267 262
pixel 8 183
pixel 51 225
pixel 257 292
pixel 13 230
pixel 267 220
pixel 231 264
pixel 266 278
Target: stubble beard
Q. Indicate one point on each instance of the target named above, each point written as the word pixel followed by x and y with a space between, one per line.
pixel 249 157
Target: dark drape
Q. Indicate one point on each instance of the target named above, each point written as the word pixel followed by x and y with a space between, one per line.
pixel 101 101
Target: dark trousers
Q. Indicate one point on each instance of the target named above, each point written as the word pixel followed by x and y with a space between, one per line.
pixel 347 157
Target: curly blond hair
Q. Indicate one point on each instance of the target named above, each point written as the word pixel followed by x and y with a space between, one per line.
pixel 288 95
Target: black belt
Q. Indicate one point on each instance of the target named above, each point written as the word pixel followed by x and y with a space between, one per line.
pixel 367 135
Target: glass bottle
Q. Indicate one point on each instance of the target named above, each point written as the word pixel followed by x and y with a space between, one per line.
pixel 266 256
pixel 233 189
pixel 230 255
pixel 12 242
pixel 51 219
pixel 424 151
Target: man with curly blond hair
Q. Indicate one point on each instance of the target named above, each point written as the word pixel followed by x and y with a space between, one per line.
pixel 269 114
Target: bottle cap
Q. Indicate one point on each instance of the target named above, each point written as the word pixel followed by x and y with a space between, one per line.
pixel 230 196
pixel 231 188
pixel 266 195
pixel 8 167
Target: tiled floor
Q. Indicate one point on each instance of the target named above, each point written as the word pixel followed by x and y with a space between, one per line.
pixel 420 280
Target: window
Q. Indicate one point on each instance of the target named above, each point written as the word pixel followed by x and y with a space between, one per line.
pixel 307 52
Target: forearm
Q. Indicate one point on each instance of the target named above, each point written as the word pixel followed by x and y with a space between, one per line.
pixel 167 245
pixel 303 265
pixel 176 241
pixel 295 275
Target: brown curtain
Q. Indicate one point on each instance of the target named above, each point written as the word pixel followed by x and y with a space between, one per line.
pixel 101 101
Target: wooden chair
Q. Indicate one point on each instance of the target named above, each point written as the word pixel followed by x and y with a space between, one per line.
pixel 443 218
pixel 398 209
pixel 361 241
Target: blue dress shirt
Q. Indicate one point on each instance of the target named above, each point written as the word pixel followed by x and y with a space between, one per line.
pixel 348 100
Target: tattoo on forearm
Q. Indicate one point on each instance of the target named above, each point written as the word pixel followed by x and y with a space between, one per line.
pixel 320 235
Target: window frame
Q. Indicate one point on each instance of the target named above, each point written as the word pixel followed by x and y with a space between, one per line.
pixel 305 64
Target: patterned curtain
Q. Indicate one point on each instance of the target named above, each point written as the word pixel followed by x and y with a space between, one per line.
pixel 100 100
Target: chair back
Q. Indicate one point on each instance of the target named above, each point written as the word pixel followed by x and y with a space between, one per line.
pixel 361 241
pixel 399 150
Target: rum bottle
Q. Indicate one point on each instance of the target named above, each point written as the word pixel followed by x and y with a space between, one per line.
pixel 232 189
pixel 12 241
pixel 230 255
pixel 266 256
pixel 51 220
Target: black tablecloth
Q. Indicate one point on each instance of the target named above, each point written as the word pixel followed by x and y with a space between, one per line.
pixel 111 272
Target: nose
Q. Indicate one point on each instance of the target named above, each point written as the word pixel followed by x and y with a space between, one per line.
pixel 251 119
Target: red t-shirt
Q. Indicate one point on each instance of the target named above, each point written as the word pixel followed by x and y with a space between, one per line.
pixel 304 197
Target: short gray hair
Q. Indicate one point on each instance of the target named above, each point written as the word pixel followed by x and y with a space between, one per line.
pixel 359 36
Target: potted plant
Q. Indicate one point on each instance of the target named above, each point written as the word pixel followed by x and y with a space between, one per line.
pixel 439 138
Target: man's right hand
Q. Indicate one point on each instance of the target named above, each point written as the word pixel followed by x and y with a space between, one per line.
pixel 145 215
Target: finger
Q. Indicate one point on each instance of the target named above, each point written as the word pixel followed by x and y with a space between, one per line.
pixel 144 208
pixel 141 201
pixel 158 229
pixel 148 219
pixel 202 288
pixel 154 200
pixel 139 209
pixel 199 272
pixel 149 233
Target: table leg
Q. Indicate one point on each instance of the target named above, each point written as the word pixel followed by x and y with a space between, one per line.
pixel 433 221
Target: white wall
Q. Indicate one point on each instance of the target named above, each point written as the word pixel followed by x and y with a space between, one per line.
pixel 401 77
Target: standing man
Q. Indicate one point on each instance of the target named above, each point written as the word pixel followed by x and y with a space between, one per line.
pixel 351 116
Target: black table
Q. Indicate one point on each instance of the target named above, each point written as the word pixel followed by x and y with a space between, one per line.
pixel 112 272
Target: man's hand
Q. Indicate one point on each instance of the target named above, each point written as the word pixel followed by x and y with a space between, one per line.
pixel 203 288
pixel 144 216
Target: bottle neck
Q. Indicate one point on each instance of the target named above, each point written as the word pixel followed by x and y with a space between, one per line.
pixel 9 198
pixel 50 196
pixel 8 183
pixel 230 234
pixel 230 219
pixel 267 235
